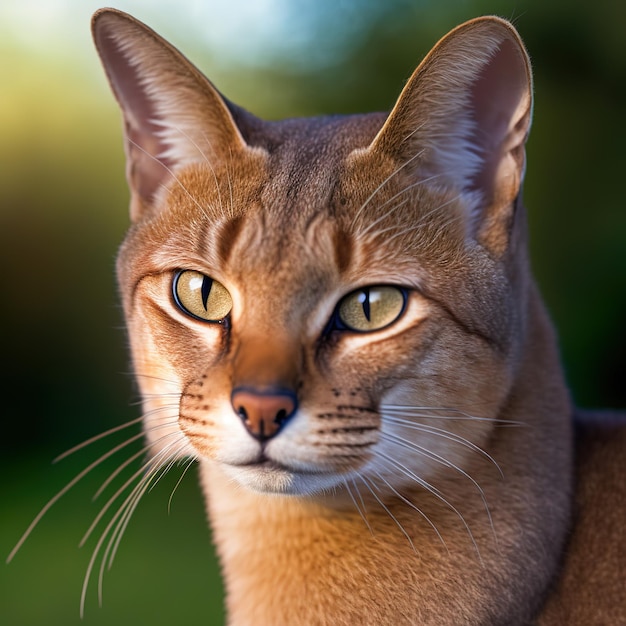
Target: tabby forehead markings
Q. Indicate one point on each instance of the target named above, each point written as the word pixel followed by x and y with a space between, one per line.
pixel 227 237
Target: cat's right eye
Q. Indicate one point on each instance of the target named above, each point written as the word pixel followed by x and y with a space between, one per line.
pixel 201 296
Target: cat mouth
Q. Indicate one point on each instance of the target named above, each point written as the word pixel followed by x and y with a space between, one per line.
pixel 265 464
pixel 267 476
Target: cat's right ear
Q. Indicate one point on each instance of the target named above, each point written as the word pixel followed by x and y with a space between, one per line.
pixel 173 115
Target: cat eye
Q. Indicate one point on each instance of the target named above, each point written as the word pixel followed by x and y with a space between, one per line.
pixel 371 308
pixel 201 297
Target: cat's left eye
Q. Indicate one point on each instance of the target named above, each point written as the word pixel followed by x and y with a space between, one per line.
pixel 201 296
pixel 371 308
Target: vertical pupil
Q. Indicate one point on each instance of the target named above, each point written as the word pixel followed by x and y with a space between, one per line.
pixel 207 283
pixel 364 298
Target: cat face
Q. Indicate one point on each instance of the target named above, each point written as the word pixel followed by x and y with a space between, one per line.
pixel 315 302
pixel 290 268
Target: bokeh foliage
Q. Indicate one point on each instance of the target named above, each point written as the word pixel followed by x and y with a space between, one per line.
pixel 63 212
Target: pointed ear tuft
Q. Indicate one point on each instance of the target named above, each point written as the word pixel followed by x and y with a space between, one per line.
pixel 466 112
pixel 173 115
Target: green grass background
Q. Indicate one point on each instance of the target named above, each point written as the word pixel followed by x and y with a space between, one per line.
pixel 63 212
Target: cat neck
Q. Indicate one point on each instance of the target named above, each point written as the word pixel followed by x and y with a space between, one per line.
pixel 335 559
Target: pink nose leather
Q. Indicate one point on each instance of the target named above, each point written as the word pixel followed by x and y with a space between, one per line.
pixel 263 413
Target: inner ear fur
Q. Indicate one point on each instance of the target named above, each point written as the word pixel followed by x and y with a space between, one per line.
pixel 463 118
pixel 173 115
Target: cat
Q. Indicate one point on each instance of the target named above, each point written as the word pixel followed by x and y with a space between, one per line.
pixel 336 318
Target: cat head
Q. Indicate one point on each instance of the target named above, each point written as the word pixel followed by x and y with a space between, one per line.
pixel 309 301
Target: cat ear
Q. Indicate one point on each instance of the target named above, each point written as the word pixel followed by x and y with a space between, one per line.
pixel 464 116
pixel 173 115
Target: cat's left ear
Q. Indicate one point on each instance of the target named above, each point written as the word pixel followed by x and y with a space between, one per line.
pixel 463 119
pixel 173 115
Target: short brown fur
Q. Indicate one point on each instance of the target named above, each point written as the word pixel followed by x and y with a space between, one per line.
pixel 429 473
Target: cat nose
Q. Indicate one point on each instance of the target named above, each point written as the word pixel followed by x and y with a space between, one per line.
pixel 263 413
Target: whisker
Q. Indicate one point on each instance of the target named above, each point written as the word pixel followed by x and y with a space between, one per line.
pixel 394 228
pixel 117 471
pixel 149 415
pixel 428 453
pixel 180 480
pixel 153 377
pixel 156 396
pixel 171 173
pixel 383 217
pixel 155 476
pixel 208 162
pixel 153 468
pixel 121 510
pixel 230 186
pixel 356 505
pixel 386 509
pixel 91 440
pixel 420 222
pixel 447 463
pixel 167 465
pixel 404 190
pixel 358 493
pixel 204 156
pixel 128 461
pixel 438 208
pixel 65 489
pixel 94 556
pixel 116 495
pixel 414 507
pixel 375 192
pixel 445 434
pixel 449 414
pixel 434 491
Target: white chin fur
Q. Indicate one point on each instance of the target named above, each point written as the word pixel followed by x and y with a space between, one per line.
pixel 276 480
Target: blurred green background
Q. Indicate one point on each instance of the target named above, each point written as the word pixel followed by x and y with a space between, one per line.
pixel 63 213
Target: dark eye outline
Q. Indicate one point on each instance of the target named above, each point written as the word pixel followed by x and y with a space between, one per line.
pixel 206 290
pixel 337 324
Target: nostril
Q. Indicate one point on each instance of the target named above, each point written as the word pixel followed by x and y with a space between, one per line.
pixel 263 413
